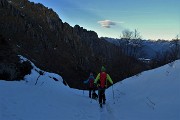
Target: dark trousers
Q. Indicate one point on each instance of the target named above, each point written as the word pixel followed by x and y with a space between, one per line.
pixel 90 91
pixel 102 97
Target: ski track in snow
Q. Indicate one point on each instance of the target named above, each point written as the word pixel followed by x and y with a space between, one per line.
pixel 106 113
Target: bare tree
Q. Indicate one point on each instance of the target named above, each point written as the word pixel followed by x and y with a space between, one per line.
pixel 175 50
pixel 136 35
pixel 132 42
pixel 127 34
pixel 177 37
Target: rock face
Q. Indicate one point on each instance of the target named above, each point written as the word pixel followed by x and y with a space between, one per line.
pixel 38 33
pixel 10 67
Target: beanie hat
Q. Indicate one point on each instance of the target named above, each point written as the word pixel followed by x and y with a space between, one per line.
pixel 103 69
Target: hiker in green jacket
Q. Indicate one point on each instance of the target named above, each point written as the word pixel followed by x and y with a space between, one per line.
pixel 101 81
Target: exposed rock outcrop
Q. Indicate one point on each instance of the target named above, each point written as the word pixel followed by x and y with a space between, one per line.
pixel 10 66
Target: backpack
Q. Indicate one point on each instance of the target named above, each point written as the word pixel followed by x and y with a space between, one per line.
pixel 91 82
pixel 103 77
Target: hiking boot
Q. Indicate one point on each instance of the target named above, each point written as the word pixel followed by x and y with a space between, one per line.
pixel 100 105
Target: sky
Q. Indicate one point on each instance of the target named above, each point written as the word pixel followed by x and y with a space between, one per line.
pixel 154 19
pixel 151 95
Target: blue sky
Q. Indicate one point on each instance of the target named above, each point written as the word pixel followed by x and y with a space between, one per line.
pixel 154 19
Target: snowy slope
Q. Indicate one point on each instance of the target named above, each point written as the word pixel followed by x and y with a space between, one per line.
pixel 152 95
pixel 48 100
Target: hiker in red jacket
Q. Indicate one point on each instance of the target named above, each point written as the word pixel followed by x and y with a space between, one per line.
pixel 90 81
pixel 101 79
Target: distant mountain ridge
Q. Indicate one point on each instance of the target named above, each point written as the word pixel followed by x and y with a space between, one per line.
pixel 150 48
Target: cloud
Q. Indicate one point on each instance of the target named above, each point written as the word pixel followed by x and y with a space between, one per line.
pixel 108 23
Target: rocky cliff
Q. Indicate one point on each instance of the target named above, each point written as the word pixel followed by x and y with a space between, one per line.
pixel 38 33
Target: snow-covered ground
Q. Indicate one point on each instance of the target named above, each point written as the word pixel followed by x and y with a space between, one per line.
pixel 152 95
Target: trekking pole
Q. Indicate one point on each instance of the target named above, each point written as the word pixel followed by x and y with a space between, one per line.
pixel 83 89
pixel 113 94
pixel 91 97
